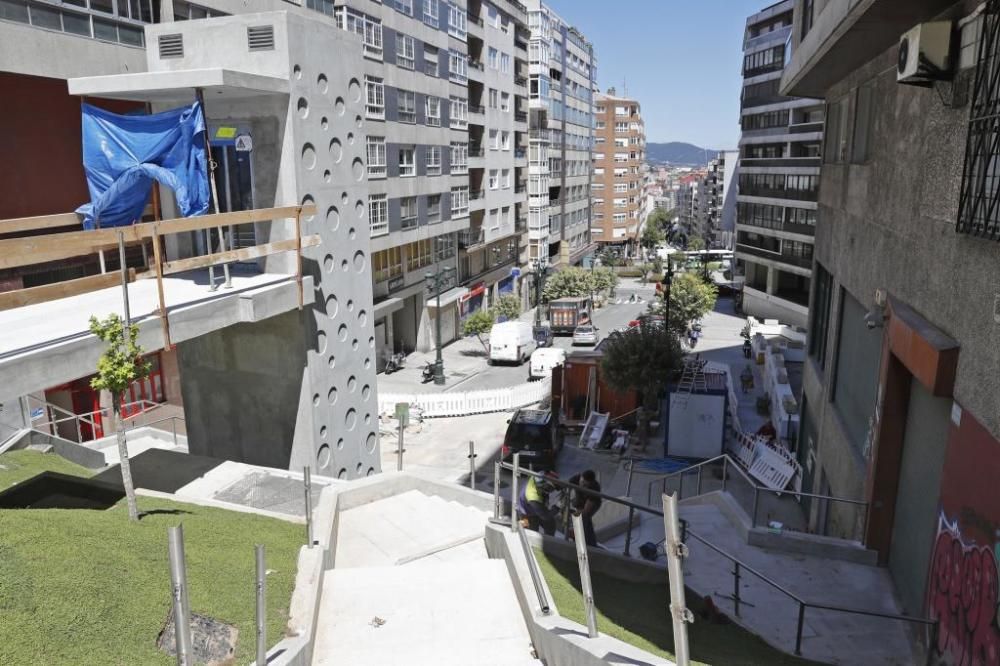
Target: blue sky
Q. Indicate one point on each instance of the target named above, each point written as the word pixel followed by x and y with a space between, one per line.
pixel 680 58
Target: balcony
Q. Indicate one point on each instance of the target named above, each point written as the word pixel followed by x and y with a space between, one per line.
pixel 788 259
pixel 521 116
pixel 521 82
pixel 781 162
pixel 805 128
pixel 471 238
pixel 477 199
pixel 779 193
pixel 520 154
pixel 520 188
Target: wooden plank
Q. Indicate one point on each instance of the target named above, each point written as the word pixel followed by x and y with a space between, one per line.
pixel 20 224
pixel 181 224
pixel 244 254
pixel 51 292
pixel 158 262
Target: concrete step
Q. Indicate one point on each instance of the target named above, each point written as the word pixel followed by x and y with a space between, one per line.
pixel 451 614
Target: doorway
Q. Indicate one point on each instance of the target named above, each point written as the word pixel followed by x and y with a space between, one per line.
pixel 234 180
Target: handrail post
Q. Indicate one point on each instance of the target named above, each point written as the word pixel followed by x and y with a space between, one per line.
pixel 182 609
pixel 798 631
pixel 736 587
pixel 585 584
pixel 472 464
pixel 307 485
pixel 513 492
pixel 628 479
pixel 628 533
pixel 261 589
pixel 756 500
pixel 496 490
pixel 725 470
pixel 173 422
pixel 698 487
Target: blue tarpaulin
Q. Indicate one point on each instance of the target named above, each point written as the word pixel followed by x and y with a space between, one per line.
pixel 123 155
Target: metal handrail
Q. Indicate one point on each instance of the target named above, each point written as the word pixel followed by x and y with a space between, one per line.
pixel 536 578
pixel 146 405
pixel 173 419
pixel 738 564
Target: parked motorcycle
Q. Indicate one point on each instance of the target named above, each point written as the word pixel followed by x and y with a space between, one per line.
pixel 394 363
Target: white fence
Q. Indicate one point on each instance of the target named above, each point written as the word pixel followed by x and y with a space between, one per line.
pixel 470 402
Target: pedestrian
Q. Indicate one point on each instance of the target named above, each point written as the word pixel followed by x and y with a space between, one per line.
pixel 587 504
pixel 533 503
pixel 747 348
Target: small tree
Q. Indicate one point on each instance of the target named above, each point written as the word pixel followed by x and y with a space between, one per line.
pixel 120 365
pixel 696 244
pixel 605 280
pixel 652 235
pixel 641 358
pixel 507 306
pixel 573 281
pixel 479 324
pixel 690 299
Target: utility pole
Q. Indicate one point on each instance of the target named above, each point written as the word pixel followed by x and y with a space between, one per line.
pixel 539 267
pixel 435 283
pixel 666 330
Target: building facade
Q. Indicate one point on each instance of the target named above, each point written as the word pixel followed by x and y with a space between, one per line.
pixel 618 186
pixel 901 381
pixel 563 71
pixel 779 175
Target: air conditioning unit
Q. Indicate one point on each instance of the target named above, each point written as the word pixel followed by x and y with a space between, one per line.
pixel 925 54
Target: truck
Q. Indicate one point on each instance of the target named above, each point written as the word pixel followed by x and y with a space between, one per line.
pixel 565 314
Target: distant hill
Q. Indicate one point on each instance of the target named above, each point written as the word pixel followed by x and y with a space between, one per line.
pixel 679 154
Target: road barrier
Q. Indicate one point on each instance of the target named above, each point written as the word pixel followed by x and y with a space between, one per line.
pixel 470 402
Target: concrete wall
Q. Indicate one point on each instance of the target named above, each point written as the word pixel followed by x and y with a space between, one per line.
pixel 241 388
pixel 765 306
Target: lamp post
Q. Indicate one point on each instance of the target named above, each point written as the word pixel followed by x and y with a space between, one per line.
pixel 435 281
pixel 539 268
pixel 666 329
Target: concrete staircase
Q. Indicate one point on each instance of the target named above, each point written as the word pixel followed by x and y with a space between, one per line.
pixel 412 584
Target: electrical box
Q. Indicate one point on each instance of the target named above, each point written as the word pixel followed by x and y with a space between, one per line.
pixel 925 54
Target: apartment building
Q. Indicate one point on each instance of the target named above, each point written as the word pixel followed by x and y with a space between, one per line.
pixel 779 174
pixel 618 186
pixel 563 71
pixel 901 381
pixel 717 201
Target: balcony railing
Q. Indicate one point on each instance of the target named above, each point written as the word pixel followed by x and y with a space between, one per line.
pixel 477 195
pixel 781 161
pixel 476 151
pixel 520 153
pixel 779 193
pixel 805 128
pixel 476 109
pixel 790 259
pixel 469 238
pixel 521 81
pixel 521 116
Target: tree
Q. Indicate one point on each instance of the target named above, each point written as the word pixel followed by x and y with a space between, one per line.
pixel 690 299
pixel 507 306
pixel 573 281
pixel 479 323
pixel 609 258
pixel 641 358
pixel 696 244
pixel 120 365
pixel 605 280
pixel 652 235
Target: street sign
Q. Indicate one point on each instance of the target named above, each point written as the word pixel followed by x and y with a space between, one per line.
pixel 403 414
pixel 515 271
pixel 244 143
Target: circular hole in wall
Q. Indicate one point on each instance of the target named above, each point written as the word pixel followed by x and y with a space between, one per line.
pixel 350 305
pixel 342 474
pixel 340 444
pixel 371 471
pixel 328 263
pixel 332 306
pixel 367 390
pixel 309 156
pixel 342 332
pixel 297 72
pixel 321 342
pixel 351 419
pixel 324 123
pixel 359 208
pixel 344 199
pixel 350 138
pixel 352 233
pixel 323 456
pixel 316 400
pixel 332 362
pixel 354 90
pixel 359 169
pixel 362 317
pixel 352 383
pixel 368 363
pixel 327 176
pixel 371 342
pixel 359 261
pixel 333 218
pixel 322 84
pixel 371 442
pixel 303 107
pixel 322 432
pixel 358 122
pixel 308 200
pixel 368 419
pixel 336 150
pixel 354 344
pixel 340 106
pixel 344 266
pixel 360 468
pixel 331 396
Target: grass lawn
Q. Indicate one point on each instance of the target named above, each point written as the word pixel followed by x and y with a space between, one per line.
pixel 89 587
pixel 636 613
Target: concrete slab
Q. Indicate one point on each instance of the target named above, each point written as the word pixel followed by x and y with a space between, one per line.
pixel 453 613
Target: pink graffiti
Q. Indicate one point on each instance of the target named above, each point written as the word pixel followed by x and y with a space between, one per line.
pixel 963 596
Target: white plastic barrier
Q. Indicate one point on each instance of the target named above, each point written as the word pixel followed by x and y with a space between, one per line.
pixel 470 402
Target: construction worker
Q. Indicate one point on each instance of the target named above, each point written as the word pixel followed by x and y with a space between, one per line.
pixel 586 504
pixel 533 503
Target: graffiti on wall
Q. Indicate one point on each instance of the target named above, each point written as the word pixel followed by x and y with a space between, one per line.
pixel 963 596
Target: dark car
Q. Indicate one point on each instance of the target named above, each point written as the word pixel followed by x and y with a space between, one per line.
pixel 543 336
pixel 532 433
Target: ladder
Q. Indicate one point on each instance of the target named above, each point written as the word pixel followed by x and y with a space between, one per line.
pixel 692 379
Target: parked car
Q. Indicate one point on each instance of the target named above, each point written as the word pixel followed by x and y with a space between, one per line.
pixel 543 360
pixel 655 320
pixel 585 334
pixel 543 335
pixel 511 342
pixel 532 433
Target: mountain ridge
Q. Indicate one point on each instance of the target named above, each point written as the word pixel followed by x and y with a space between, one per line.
pixel 679 153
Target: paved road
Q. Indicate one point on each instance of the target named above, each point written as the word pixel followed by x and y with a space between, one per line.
pixel 465 360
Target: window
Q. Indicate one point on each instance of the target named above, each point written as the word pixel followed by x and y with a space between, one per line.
pixel 835 150
pixel 494 58
pixel 431 12
pixel 404 51
pixel 387 264
pixel 621 110
pixel 494 218
pixel 459 158
pixel 378 214
pixel 621 127
pixel 374 97
pixel 433 208
pixel 820 312
pixel 494 179
pixel 407 161
pixel 433 109
pixel 494 97
pixel 505 179
pixel 505 102
pixel 859 352
pixel 457 22
pixel 505 63
pixel 459 201
pixel 369 28
pixel 376 157
pixel 505 140
pixel 863 107
pixel 430 60
pixel 408 212
pixel 769 60
pixel 621 187
pixel 418 255
pixel 405 6
pixel 406 105
pixel 458 67
pixel 807 16
pixel 458 113
pixel 433 160
pixel 494 139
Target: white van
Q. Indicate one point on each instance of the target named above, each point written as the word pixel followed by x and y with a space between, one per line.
pixel 511 342
pixel 543 360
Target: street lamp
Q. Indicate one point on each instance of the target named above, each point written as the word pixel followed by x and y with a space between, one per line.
pixel 539 269
pixel 435 281
pixel 666 329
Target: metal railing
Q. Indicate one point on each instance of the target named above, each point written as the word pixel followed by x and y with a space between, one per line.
pixel 758 490
pixel 90 418
pixel 173 422
pixel 739 567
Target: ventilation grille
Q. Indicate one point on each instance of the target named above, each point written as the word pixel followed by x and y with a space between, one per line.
pixel 260 38
pixel 171 46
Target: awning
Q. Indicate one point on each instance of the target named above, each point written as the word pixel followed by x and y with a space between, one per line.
pixel 447 298
pixel 173 87
pixel 387 307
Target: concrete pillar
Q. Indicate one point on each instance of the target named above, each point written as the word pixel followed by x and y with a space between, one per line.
pixel 772 280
